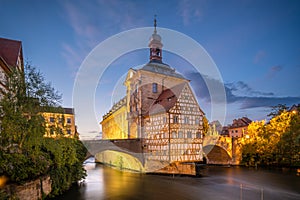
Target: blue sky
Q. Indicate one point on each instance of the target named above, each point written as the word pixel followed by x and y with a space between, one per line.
pixel 255 45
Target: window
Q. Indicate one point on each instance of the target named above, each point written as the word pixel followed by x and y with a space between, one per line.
pixel 175 119
pixel 52 119
pixel 186 120
pixel 154 87
pixel 61 121
pixel 69 131
pixel 165 120
pixel 189 134
pixel 198 135
pixel 197 121
pixel 69 120
pixel 180 134
pixel 174 135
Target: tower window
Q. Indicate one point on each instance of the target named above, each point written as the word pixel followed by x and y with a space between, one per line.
pixel 158 52
pixel 175 119
pixel 154 87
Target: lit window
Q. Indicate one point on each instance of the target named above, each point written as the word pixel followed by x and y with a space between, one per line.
pixel 154 87
pixel 180 134
pixel 174 135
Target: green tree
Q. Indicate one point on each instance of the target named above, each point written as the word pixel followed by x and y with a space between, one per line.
pixel 274 143
pixel 254 143
pixel 25 96
pixel 205 126
pixel 25 154
pixel 289 145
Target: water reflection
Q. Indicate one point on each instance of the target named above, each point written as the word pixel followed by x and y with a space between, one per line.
pixel 218 183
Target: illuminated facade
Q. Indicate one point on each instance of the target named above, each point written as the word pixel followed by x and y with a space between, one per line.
pixel 60 123
pixel 115 124
pixel 159 107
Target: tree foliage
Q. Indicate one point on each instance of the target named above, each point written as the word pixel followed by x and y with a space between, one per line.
pixel 205 125
pixel 275 142
pixel 25 153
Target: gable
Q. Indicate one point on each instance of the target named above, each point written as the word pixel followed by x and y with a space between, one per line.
pixel 187 102
pixel 10 51
pixel 166 100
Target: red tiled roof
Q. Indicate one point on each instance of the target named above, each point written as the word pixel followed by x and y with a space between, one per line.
pixel 10 50
pixel 241 122
pixel 166 100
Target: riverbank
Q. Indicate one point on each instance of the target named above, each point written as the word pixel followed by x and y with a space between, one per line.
pixel 47 171
pixel 30 190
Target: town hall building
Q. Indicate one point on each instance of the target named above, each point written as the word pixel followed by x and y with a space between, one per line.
pixel 159 107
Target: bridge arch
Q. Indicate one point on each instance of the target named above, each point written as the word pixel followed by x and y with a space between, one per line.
pixel 120 160
pixel 217 155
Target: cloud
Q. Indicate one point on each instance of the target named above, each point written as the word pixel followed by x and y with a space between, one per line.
pixel 273 71
pixel 190 11
pixel 239 93
pixel 255 102
pixel 240 88
pixel 93 22
pixel 260 55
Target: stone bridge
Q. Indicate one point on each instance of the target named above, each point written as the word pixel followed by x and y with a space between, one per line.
pixel 126 154
pixel 222 150
pixel 130 154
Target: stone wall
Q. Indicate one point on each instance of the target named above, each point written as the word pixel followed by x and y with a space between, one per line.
pixel 178 168
pixel 32 190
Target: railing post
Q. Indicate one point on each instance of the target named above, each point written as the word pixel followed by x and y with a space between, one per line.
pixel 241 191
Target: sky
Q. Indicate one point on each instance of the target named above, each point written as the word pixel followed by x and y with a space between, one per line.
pixel 254 44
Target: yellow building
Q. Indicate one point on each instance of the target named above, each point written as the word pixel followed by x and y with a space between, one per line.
pixel 60 123
pixel 115 124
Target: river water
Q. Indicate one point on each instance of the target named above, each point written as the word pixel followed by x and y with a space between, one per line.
pixel 217 182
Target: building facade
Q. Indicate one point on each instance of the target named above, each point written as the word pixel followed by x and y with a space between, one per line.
pixel 115 124
pixel 159 107
pixel 60 123
pixel 239 127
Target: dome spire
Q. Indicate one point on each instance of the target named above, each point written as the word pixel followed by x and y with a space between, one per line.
pixel 155 45
pixel 155 24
